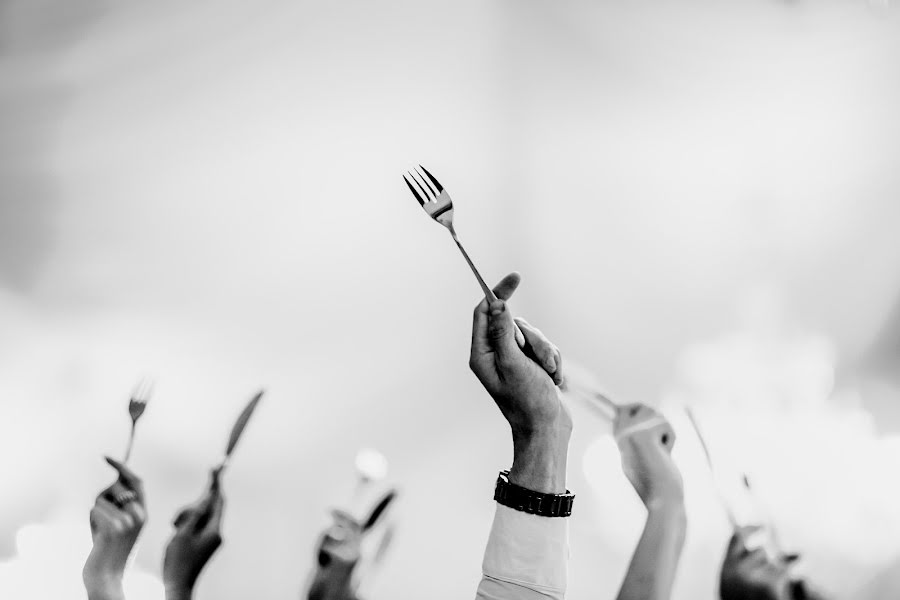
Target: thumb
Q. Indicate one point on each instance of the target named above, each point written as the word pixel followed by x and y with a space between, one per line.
pixel 502 331
pixel 214 479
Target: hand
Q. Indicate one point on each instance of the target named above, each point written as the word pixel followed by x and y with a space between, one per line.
pixel 338 555
pixel 522 381
pixel 197 537
pixel 751 574
pixel 116 521
pixel 343 558
pixel 645 441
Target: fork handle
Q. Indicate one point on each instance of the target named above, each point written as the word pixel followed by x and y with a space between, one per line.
pixel 130 443
pixel 488 292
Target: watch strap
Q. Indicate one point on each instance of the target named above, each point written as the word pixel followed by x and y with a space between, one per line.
pixel 535 503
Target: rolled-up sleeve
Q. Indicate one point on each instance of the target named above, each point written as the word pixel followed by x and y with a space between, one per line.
pixel 526 557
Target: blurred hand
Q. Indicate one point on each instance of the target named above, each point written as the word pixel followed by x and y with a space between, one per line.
pixel 645 441
pixel 116 521
pixel 342 562
pixel 751 575
pixel 522 379
pixel 337 557
pixel 197 537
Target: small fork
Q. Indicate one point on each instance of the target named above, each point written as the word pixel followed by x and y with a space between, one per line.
pixel 436 202
pixel 136 406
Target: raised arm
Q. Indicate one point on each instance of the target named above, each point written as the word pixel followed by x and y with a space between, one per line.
pixel 645 440
pixel 197 537
pixel 116 520
pixel 527 551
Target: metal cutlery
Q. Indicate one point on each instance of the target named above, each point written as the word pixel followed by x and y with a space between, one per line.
pixel 436 201
pixel 238 429
pixel 136 407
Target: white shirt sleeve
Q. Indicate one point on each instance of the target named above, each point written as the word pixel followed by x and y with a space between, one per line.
pixel 526 557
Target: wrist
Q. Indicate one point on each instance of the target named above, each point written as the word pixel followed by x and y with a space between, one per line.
pixel 179 592
pixel 540 459
pixel 103 586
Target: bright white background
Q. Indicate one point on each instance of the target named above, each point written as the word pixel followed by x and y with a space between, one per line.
pixel 701 197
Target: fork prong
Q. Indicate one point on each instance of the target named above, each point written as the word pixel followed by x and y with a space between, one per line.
pixel 425 179
pixel 433 179
pixel 413 190
pixel 430 197
pixel 142 390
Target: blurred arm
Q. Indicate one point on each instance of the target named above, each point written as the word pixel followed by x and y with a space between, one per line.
pixel 645 440
pixel 651 572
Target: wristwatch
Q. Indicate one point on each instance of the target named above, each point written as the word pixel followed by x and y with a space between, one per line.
pixel 529 501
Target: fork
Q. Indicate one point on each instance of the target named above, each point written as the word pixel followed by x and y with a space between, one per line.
pixel 136 406
pixel 436 201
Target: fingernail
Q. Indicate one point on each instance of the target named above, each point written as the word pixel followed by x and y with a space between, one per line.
pixel 497 307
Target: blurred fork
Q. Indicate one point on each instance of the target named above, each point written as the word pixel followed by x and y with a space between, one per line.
pixel 436 201
pixel 136 406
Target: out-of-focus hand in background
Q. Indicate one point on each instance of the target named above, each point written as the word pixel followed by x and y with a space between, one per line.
pixel 198 534
pixel 118 515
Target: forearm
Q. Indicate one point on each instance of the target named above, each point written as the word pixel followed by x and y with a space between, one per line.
pixel 526 556
pixel 651 572
pixel 103 587
pixel 178 593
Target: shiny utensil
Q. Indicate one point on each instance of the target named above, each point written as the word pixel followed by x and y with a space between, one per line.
pixel 726 506
pixel 436 201
pixel 238 429
pixel 765 516
pixel 140 395
pixel 580 383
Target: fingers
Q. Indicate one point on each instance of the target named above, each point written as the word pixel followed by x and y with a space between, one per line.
pixel 216 510
pixel 747 531
pixel 542 350
pixel 481 343
pixel 738 543
pixel 205 515
pixel 666 437
pixel 102 516
pixel 214 478
pixel 634 419
pixel 182 517
pixel 507 286
pixel 504 291
pixel 502 333
pixel 106 516
pixel 190 517
pixel 128 478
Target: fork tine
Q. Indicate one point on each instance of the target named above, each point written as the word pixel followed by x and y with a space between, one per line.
pixel 434 180
pixel 421 187
pixel 430 188
pixel 413 190
pixel 142 390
